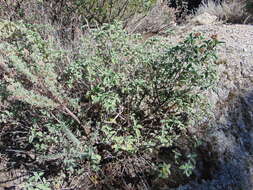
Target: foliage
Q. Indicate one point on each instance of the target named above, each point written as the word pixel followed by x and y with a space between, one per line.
pixel 249 6
pixel 107 11
pixel 189 165
pixel 117 95
pixel 29 65
pixel 70 19
pixel 37 182
pixel 144 91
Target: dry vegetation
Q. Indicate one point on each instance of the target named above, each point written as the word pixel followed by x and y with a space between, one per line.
pixel 231 11
pixel 86 104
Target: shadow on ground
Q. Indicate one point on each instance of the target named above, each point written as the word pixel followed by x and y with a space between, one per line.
pixel 226 159
pixel 231 140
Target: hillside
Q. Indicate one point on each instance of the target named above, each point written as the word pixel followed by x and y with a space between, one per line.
pixel 229 153
pixel 140 95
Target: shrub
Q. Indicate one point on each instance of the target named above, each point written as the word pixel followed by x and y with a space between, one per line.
pixel 117 99
pixel 141 84
pixel 107 11
pixel 29 66
pixel 101 11
pixel 249 7
pixel 228 11
pixel 37 183
pixel 157 20
pixel 70 19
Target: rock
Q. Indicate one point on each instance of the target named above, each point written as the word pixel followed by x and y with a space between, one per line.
pixel 204 19
pixel 231 135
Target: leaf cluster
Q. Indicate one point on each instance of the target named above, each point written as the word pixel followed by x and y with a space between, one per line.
pixel 117 95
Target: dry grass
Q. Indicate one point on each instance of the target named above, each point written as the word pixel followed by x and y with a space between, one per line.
pixel 158 19
pixel 232 11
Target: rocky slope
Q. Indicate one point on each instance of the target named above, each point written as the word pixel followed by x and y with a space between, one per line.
pixel 231 136
pixel 227 158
